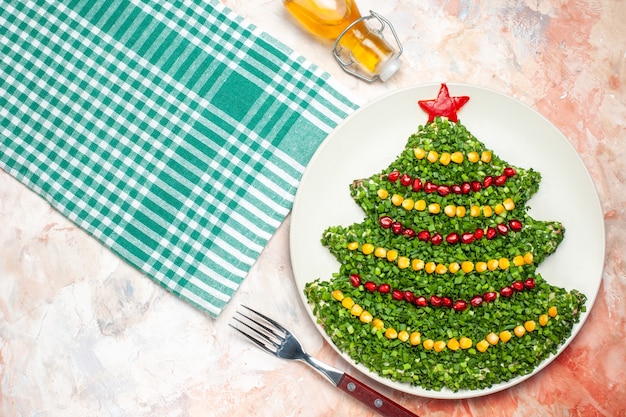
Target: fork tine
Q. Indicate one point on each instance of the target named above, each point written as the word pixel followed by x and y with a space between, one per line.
pixel 269 320
pixel 253 339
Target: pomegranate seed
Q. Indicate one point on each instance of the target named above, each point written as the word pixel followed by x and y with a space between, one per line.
pixel 476 301
pixel 460 305
pixel 490 296
pixel 409 297
pixel 456 189
pixel 529 283
pixel 435 301
pixel 406 180
pixel 370 286
pixel 355 280
pixel 452 238
pixel 479 233
pixel 396 228
pixel 490 233
pixel 502 229
pixel 518 286
pixel 446 302
pixel 384 288
pixel 476 185
pixel 393 176
pixel 509 172
pixel 437 239
pixel 506 292
pixel 515 225
pixel 385 222
pixel 443 190
pixel 421 301
pixel 467 238
pixel 417 184
pixel 430 187
pixel 487 181
pixel 466 187
pixel 397 295
pixel 410 233
pixel 424 235
pixel 500 180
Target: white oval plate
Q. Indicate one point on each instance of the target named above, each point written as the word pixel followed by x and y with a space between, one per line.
pixel 373 137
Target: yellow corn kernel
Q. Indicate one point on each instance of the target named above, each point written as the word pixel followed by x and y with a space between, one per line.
pixel 465 342
pixel 347 302
pixel 487 211
pixel 419 153
pixel 485 157
pixel 493 338
pixel 417 264
pixel 498 209
pixel 353 245
pixel 403 262
pixel 482 345
pixel 505 336
pixel 518 260
pixel 456 157
pixel 454 267
pixel 504 263
pixel 420 205
pixel 433 156
pixel 356 310
pixel 441 269
pixel 519 331
pixel 367 248
pixel 543 320
pixel 382 194
pixel 430 267
pixel 474 211
pixel 453 344
pixel 473 156
pixel 380 252
pixel 378 324
pixel 530 325
pixel 528 258
pixel 403 335
pixel 392 255
pixel 391 333
pixel 439 345
pixel 445 158
pixel 434 208
pixel 396 199
pixel 508 204
pixel 481 266
pixel 366 317
pixel 467 266
pixel 450 210
pixel 552 312
pixel 408 204
pixel 337 295
pixel 460 211
pixel 415 338
pixel 492 264
pixel 428 344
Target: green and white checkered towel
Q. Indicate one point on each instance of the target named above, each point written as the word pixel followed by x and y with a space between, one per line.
pixel 171 130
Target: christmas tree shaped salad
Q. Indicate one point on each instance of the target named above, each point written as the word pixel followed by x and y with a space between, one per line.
pixel 438 285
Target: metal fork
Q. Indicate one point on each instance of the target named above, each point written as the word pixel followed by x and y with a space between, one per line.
pixel 276 340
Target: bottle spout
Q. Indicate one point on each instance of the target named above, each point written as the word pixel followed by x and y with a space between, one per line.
pixel 363 51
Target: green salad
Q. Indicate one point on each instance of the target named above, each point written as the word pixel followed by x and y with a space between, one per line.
pixel 438 285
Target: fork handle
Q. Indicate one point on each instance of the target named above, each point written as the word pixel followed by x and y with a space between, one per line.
pixel 372 398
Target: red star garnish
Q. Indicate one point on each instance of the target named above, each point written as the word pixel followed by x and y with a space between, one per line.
pixel 443 105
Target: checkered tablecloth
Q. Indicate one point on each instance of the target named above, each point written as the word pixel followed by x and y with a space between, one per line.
pixel 172 131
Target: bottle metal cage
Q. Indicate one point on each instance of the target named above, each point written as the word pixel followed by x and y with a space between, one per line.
pixel 345 65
